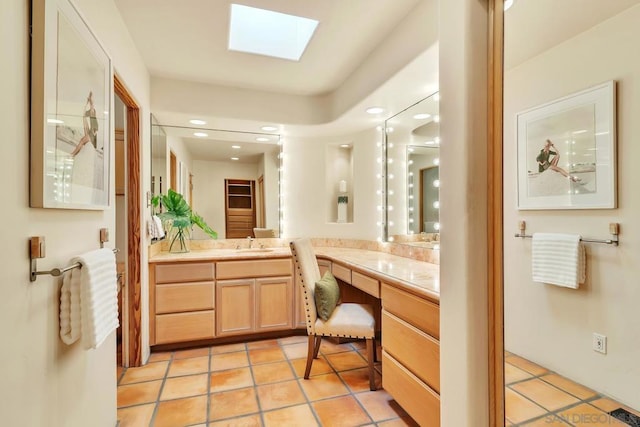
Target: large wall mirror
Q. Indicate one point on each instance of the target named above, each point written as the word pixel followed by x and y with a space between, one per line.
pixel 413 183
pixel 555 374
pixel 230 178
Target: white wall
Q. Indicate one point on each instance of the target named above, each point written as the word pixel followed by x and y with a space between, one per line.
pixel 208 191
pixel 553 326
pixel 177 146
pixel 463 268
pixel 44 382
pixel 305 179
pixel 271 165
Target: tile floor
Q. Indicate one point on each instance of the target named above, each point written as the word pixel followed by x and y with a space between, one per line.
pixel 256 384
pixel 535 396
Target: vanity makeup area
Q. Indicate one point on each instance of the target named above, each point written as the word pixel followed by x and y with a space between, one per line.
pixel 239 289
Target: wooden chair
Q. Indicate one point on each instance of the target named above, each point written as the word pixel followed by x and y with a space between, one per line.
pixel 348 320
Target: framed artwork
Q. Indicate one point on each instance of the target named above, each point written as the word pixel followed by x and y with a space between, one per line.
pixel 567 152
pixel 71 104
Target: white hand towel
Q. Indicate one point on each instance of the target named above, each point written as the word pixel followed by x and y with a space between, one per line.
pixel 91 297
pixel 158 223
pixel 558 259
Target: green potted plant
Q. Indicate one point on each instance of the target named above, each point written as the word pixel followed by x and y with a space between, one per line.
pixel 180 218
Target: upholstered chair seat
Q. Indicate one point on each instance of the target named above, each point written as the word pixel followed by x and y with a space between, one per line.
pixel 348 320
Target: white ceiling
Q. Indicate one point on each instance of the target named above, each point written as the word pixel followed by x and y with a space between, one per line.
pixel 187 40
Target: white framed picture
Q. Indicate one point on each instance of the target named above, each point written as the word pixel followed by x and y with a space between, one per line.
pixel 567 152
pixel 71 103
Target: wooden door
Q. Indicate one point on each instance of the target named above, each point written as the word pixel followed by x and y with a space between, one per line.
pixel 273 304
pixel 235 309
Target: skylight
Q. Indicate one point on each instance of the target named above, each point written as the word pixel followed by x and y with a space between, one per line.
pixel 265 32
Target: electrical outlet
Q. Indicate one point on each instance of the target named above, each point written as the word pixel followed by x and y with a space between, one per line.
pixel 599 343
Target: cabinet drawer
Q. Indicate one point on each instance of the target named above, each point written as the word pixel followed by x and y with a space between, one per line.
pixel 419 312
pixel 415 397
pixel 179 327
pixel 254 268
pixel 185 272
pixel 184 297
pixel 365 283
pixel 342 273
pixel 324 266
pixel 417 351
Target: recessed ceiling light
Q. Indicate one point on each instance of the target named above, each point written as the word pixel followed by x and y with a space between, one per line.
pixel 345 145
pixel 265 32
pixel 436 97
pixel 436 119
pixel 507 4
pixel 374 110
pixel 197 122
pixel 262 139
pixel 269 128
pixel 235 158
pixel 389 130
pixel 422 116
pixel 237 147
pixel 200 134
pixel 429 142
pixel 55 121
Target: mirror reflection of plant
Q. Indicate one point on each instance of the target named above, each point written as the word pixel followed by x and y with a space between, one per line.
pixel 179 213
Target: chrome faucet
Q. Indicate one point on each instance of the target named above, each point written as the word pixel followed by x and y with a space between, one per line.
pixel 250 241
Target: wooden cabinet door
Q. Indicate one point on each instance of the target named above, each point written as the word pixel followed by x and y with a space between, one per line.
pixel 235 307
pixel 273 304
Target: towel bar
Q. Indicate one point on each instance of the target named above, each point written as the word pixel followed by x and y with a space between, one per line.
pixel 36 250
pixel 614 229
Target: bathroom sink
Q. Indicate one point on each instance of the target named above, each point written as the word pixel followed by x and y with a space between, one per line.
pixel 255 250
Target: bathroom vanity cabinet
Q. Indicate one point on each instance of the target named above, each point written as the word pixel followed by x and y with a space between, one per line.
pixel 411 353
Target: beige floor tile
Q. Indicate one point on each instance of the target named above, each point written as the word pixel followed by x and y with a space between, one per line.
pixel 399 422
pixel 178 387
pixel 300 415
pixel 519 409
pixel 295 351
pixel 228 348
pixel 272 372
pixel 230 379
pixel 589 416
pixel 248 421
pixel 160 356
pixel 221 362
pixel 233 403
pixel 253 345
pixel 323 387
pixel 513 374
pixel 134 394
pixel 545 395
pixel 191 352
pixel 266 355
pixel 148 372
pixel 136 416
pixel 328 347
pixel 346 360
pixel 296 339
pixel 194 365
pixel 358 379
pixel 319 367
pixel 279 395
pixel 526 365
pixel 340 412
pixel 569 386
pixel 181 412
pixel 380 405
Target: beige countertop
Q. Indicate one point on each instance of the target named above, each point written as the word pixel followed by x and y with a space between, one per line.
pixel 419 277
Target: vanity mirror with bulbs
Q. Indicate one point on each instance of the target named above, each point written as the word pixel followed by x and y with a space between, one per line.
pixel 412 170
pixel 230 178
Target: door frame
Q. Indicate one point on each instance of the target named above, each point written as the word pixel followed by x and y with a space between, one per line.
pixel 495 214
pixel 134 314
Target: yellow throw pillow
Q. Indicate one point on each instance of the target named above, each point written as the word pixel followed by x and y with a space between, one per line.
pixel 327 294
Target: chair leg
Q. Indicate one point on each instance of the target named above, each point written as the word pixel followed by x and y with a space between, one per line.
pixel 317 347
pixel 370 355
pixel 310 353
